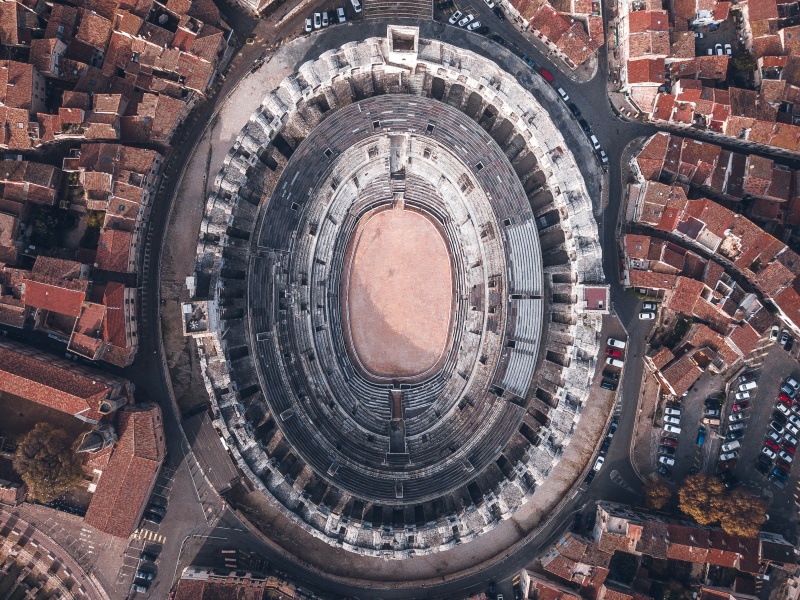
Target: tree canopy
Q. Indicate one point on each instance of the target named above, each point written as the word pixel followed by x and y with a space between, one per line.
pixel 657 494
pixel 47 463
pixel 706 501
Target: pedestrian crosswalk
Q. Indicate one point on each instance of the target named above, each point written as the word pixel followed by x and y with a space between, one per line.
pixel 150 536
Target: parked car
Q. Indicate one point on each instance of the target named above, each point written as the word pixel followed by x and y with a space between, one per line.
pixel 728 49
pixel 675 412
pixel 742 395
pixel 787 389
pixel 783 408
pixel 356 5
pixel 793 429
pixel 740 406
pixel 793 383
pixel 145 575
pixel 672 420
pixel 764 460
pixel 774 436
pixel 771 445
pixel 613 352
pixel 647 316
pixel 616 343
pixel 724 466
pixel 575 110
pixel 474 25
pixel 780 473
pixel 777 482
pixel 610 374
pixel 325 21
pixel 789 447
pixel 745 377
pixel 773 333
pixel 157 509
pixel 672 429
pixel 667 450
pixel 615 362
pixel 730 446
pixel 729 455
pixel 786 456
pixel 489 3
pixel 784 337
pixel 747 386
pixel 548 76
pixel 340 15
pixel 794 420
pixel 608 385
pixel 317 20
pixel 138 587
pixel 664 471
pixel 595 142
pixel 734 435
pixel 739 426
pixel 498 12
pixel 779 417
pixel 649 306
pixel 309 25
pixel 584 125
pixel 152 517
pixel 148 556
pixel 666 460
pixel 763 469
pixel 455 17
pixel 777 427
pixel 786 400
pixel 563 94
pixel 711 412
pixel 466 19
pixel 701 436
pixel 598 464
pixel 718 49
pixel 668 441
pixel 603 157
pixel 769 452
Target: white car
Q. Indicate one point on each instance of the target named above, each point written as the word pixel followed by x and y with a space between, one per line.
pixel 742 395
pixel 356 5
pixel 615 362
pixel 340 15
pixel 736 426
pixel 616 343
pixel 731 446
pixel 598 463
pixel 649 306
pixel 718 49
pixel 774 436
pixel 474 25
pixel 309 25
pixel 793 429
pixel 666 460
pixel 647 316
pixel 672 420
pixel 489 3
pixel 455 17
pixel 603 157
pixel 792 382
pixel 750 385
pixel 737 416
pixel 768 453
pixel 728 456
pixel 774 332
pixel 325 21
pixel 790 439
pixel 563 94
pixel 786 456
pixel 794 420
pixel 317 20
pixel 728 49
pixel 674 412
pixel 783 408
pixel 672 429
pixel 595 142
pixel 467 19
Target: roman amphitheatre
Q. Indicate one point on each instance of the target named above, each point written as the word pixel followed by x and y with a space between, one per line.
pixel 394 256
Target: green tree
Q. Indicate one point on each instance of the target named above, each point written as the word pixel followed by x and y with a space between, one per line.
pixel 95 218
pixel 744 63
pixel 47 463
pixel 657 494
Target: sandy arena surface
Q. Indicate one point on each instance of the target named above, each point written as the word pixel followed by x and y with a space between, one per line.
pixel 399 296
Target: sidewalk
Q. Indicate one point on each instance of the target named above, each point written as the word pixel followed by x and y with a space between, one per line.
pixel 645 434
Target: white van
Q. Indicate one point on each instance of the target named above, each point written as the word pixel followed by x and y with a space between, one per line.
pixel 615 362
pixel 616 343
pixel 750 385
pixel 731 446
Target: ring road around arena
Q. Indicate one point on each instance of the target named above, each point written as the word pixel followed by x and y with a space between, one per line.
pixel 392 255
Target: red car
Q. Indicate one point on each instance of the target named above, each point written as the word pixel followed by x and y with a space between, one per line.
pixel 783 465
pixel 740 406
pixel 613 352
pixel 789 448
pixel 548 76
pixel 785 399
pixel 771 445
pixel 669 442
pixel 724 466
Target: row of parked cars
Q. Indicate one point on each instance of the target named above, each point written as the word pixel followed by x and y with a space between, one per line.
pixel 601 458
pixel 614 358
pixel 669 443
pixel 729 451
pixel 326 17
pixel 777 455
pixel 145 572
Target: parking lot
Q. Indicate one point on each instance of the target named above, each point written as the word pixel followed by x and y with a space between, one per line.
pixel 778 365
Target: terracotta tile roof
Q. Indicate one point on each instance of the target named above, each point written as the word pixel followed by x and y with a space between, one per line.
pixel 640 21
pixel 113 250
pixel 37 378
pixel 767 45
pixel 94 31
pixel 662 357
pixel 637 246
pixel 664 106
pixel 114 325
pixel 685 295
pixel 17 84
pixel 789 302
pixel 549 22
pixel 646 70
pixel 683 45
pixel 651 280
pixel 744 337
pixel 127 482
pixel 543 591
